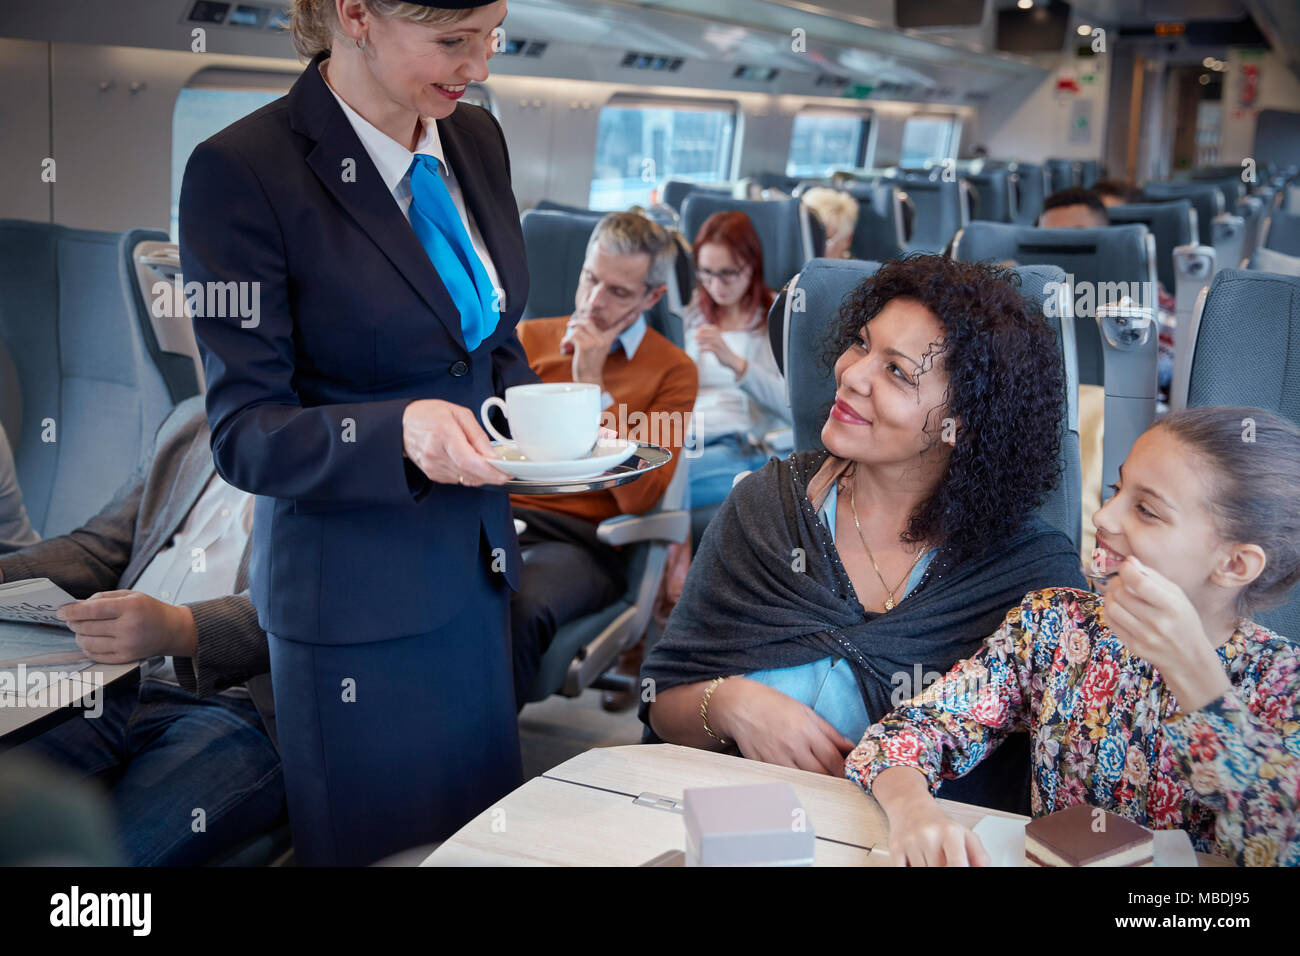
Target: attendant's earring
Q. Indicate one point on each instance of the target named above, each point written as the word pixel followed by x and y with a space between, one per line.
pixel 361 43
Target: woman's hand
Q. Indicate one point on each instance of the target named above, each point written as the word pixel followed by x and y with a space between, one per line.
pixel 709 339
pixel 1154 619
pixel 773 727
pixel 920 834
pixel 448 444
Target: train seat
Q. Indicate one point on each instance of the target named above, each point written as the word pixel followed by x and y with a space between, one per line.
pixel 92 391
pixel 784 228
pixel 1183 266
pixel 673 192
pixel 996 197
pixel 1173 224
pixel 1062 174
pixel 1223 230
pixel 798 337
pixel 942 209
pixel 1029 183
pixel 584 649
pixel 1111 254
pixel 881 230
pixel 1246 321
pixel 555 243
pixel 1282 233
pixel 1270 260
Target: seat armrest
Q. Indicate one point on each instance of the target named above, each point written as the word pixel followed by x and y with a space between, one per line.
pixel 1193 271
pixel 674 526
pixel 1229 240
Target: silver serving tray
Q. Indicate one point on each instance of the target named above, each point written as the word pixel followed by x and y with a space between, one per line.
pixel 646 458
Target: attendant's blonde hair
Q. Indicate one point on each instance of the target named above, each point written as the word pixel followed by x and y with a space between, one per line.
pixel 313 24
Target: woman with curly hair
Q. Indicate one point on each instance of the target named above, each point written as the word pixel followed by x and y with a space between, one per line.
pixel 1159 699
pixel 833 585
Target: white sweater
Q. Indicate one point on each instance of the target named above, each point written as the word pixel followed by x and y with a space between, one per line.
pixel 755 404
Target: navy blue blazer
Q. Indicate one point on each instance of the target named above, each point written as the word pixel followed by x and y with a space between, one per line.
pixel 351 542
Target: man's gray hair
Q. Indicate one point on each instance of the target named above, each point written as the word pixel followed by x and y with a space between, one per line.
pixel 630 233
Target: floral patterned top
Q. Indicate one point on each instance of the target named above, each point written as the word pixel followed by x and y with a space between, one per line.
pixel 1107 731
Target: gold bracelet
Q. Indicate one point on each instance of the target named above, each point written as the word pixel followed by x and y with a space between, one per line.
pixel 704 708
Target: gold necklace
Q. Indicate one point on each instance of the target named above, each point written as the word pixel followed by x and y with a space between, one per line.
pixel 889 602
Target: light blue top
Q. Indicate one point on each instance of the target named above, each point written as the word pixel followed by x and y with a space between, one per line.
pixel 828 685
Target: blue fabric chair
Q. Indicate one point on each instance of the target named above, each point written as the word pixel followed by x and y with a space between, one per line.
pixel 1030 185
pixel 1243 348
pixel 1172 223
pixel 879 233
pixel 582 650
pixel 799 337
pixel 1206 199
pixel 996 198
pixel 1269 260
pixel 82 365
pixel 1283 233
pixel 674 191
pixel 1062 174
pixel 942 208
pixel 1107 255
pixel 556 244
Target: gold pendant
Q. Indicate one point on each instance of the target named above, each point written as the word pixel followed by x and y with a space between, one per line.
pixel 889 604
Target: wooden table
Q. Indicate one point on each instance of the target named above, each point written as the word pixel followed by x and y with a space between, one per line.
pixel 581 813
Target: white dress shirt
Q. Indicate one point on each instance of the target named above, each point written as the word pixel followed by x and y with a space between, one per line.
pixel 220 524
pixel 753 405
pixel 393 160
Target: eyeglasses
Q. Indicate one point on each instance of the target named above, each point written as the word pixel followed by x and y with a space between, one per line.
pixel 726 276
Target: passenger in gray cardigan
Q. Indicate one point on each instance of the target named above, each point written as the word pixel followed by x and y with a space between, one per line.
pixel 161 575
pixel 15 530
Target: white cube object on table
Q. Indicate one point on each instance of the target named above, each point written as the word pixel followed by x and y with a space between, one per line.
pixel 759 824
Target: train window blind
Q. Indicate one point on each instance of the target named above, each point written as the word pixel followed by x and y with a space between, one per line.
pixel 641 143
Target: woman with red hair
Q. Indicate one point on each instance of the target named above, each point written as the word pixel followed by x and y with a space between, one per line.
pixel 742 393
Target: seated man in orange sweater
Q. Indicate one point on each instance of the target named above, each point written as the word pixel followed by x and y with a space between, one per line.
pixel 567 571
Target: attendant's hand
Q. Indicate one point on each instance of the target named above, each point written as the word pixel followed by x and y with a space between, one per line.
pixel 448 444
pixel 921 834
pixel 773 727
pixel 709 339
pixel 116 627
pixel 590 346
pixel 1155 620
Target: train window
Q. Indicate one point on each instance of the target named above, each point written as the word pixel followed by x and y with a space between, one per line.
pixel 641 143
pixel 928 139
pixel 200 112
pixel 823 141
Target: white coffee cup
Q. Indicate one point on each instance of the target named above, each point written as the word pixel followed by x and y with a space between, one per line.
pixel 555 421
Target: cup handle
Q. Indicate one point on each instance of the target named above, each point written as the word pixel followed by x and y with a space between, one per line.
pixel 489 402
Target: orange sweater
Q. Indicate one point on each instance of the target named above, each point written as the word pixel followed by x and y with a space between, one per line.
pixel 653 397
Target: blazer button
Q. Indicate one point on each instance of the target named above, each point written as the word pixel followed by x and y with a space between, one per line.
pixel 459 369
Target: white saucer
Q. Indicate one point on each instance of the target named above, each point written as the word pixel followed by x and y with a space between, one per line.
pixel 607 453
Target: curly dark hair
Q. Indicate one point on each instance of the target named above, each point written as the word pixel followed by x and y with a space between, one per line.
pixel 1006 386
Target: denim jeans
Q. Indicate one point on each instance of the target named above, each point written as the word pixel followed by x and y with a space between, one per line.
pixel 166 754
pixel 714 471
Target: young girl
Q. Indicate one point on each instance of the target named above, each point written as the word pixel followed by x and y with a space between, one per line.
pixel 1160 701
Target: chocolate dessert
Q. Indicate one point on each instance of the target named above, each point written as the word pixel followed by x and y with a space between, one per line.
pixel 1086 836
